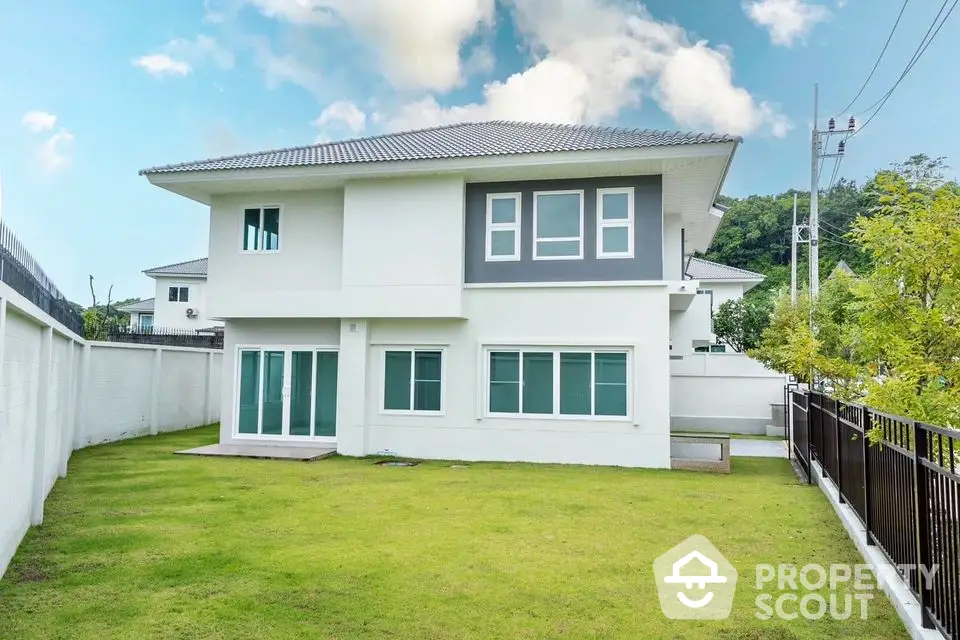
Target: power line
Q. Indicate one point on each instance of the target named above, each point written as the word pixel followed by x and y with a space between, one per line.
pixel 833 226
pixel 836 169
pixel 877 63
pixel 924 45
pixel 831 237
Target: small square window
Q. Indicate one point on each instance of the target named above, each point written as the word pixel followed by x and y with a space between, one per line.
pixel 261 229
pixel 178 294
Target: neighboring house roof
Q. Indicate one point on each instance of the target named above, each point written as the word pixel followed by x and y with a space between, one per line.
pixel 144 306
pixel 468 139
pixel 842 267
pixel 700 269
pixel 196 267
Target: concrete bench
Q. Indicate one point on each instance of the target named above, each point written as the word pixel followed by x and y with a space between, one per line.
pixel 700 452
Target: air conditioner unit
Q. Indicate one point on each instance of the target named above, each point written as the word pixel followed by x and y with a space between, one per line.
pixel 192 313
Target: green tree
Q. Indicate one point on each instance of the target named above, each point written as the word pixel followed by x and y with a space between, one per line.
pixel 909 304
pixel 740 322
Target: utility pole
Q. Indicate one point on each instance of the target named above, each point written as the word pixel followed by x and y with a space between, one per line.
pixel 815 199
pixel 816 155
pixel 793 255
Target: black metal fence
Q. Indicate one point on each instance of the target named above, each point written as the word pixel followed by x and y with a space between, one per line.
pixel 905 489
pixel 21 272
pixel 169 337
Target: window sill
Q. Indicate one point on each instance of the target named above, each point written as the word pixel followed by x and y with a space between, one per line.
pixel 615 256
pixel 402 412
pixel 559 417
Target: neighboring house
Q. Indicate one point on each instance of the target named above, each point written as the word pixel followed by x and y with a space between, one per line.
pixel 180 301
pixel 478 291
pixel 721 283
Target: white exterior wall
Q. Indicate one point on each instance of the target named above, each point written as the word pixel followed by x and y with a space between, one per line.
pixel 369 250
pixel 691 324
pixel 672 247
pixel 133 390
pixel 302 279
pixel 723 291
pixel 173 315
pixel 403 248
pixel 633 317
pixel 723 392
pixel 58 393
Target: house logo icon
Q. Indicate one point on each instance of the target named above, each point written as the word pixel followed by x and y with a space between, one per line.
pixel 695 581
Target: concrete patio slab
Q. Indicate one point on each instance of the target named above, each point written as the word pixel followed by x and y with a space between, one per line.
pixel 272 452
pixel 745 447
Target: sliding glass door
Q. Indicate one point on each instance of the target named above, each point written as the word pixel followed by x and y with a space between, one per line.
pixel 287 393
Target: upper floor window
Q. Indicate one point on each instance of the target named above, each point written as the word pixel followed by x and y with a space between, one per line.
pixel 178 294
pixel 615 223
pixel 558 225
pixel 261 229
pixel 503 227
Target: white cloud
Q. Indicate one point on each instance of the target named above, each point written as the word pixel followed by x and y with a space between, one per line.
pixel 37 121
pixel 696 88
pixel 201 49
pixel 285 68
pixel 786 20
pixel 177 57
pixel 417 42
pixel 52 154
pixel 595 58
pixel 342 113
pixel 160 64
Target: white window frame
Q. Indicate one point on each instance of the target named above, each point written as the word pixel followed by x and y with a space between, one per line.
pixel 627 222
pixel 140 318
pixel 413 368
pixel 243 228
pixel 537 240
pixel 556 351
pixel 286 392
pixel 178 287
pixel 503 226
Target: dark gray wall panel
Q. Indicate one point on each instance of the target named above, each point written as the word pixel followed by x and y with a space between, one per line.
pixel 647 263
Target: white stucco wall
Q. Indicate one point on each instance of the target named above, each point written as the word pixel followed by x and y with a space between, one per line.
pixel 173 315
pixel 722 392
pixel 302 279
pixel 132 390
pixel 672 247
pixel 636 318
pixel 368 250
pixel 722 291
pixel 403 247
pixel 689 325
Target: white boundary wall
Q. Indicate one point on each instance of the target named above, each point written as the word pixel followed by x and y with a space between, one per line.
pixel 722 393
pixel 59 393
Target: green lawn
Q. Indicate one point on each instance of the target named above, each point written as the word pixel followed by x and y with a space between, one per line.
pixel 139 543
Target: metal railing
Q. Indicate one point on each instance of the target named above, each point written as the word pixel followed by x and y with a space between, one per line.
pixel 23 274
pixel 905 489
pixel 211 338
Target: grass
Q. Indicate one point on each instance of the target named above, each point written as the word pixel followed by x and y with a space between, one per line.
pixel 140 543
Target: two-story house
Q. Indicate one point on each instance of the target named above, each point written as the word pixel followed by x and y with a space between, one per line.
pixel 477 291
pixel 180 301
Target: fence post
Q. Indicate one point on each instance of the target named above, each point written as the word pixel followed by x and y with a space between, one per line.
pixel 83 403
pixel 209 392
pixel 837 431
pixel 809 436
pixel 820 452
pixel 867 498
pixel 921 513
pixel 155 391
pixel 41 425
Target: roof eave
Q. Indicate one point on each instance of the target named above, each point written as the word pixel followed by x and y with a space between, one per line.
pixel 199 185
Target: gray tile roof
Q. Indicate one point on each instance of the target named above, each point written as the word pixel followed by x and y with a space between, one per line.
pixel 144 306
pixel 700 269
pixel 464 140
pixel 189 268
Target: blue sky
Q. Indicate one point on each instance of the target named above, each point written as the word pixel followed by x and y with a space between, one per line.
pixel 93 91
